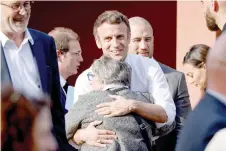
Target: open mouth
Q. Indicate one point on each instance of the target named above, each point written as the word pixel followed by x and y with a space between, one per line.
pixel 21 19
pixel 116 51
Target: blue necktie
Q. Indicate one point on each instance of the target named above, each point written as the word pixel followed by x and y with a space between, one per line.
pixel 63 99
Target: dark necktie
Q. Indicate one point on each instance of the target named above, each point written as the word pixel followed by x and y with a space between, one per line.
pixel 65 87
pixel 63 99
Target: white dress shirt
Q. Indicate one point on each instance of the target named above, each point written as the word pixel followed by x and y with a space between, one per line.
pixel 22 66
pixel 217 143
pixel 147 76
pixel 69 94
pixel 62 83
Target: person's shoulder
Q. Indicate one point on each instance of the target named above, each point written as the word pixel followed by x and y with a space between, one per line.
pixel 217 142
pixel 169 70
pixel 209 107
pixel 97 93
pixel 136 57
pixel 36 33
pixel 84 74
pixel 140 61
pixel 93 97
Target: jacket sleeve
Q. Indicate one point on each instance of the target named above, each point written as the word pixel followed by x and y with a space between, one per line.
pixel 183 105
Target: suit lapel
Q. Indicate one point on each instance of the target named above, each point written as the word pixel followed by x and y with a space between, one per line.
pixel 5 74
pixel 39 55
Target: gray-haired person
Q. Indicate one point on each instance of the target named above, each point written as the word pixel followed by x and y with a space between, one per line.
pixel 109 76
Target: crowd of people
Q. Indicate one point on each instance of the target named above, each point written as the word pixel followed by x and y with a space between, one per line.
pixel 125 101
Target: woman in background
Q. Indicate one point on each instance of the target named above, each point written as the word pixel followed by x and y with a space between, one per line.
pixel 195 62
pixel 25 124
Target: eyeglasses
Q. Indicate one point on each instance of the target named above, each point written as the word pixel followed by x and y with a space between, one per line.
pixel 17 6
pixel 90 76
pixel 64 49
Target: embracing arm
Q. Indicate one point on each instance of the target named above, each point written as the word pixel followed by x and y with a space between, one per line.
pixel 160 91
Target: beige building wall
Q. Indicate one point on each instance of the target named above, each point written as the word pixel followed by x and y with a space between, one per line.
pixel 191 29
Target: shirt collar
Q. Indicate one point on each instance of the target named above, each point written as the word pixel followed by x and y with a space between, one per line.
pixel 27 36
pixel 217 95
pixel 114 86
pixel 62 81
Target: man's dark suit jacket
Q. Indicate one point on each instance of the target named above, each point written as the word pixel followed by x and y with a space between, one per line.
pixel 44 52
pixel 179 92
pixel 204 121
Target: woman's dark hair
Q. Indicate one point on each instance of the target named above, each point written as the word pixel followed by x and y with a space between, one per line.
pixel 17 120
pixel 196 55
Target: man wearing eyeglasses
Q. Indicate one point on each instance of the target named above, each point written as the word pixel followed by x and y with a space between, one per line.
pixel 29 56
pixel 68 55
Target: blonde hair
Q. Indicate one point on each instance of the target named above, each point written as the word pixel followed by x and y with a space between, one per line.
pixel 62 37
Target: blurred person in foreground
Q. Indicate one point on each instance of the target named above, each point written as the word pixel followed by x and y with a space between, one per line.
pixel 208 117
pixel 217 143
pixel 25 125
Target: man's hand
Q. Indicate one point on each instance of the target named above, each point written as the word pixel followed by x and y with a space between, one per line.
pixel 119 107
pixel 96 137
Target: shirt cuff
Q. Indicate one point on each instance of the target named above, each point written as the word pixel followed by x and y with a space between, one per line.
pixel 73 144
pixel 170 112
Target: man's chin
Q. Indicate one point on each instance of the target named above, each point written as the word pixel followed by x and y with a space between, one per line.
pixel 213 27
pixel 211 23
pixel 119 58
pixel 19 29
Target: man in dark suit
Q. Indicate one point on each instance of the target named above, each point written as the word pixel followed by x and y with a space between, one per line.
pixel 209 115
pixel 215 12
pixel 69 56
pixel 30 59
pixel 142 43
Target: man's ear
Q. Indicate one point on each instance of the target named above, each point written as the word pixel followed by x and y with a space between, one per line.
pixel 129 37
pixel 98 42
pixel 204 66
pixel 59 54
pixel 215 5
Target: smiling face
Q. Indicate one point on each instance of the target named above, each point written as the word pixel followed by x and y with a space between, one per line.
pixel 196 76
pixel 15 21
pixel 113 39
pixel 142 40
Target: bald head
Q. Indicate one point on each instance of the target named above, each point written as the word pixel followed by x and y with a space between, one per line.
pixel 141 37
pixel 216 65
pixel 139 21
